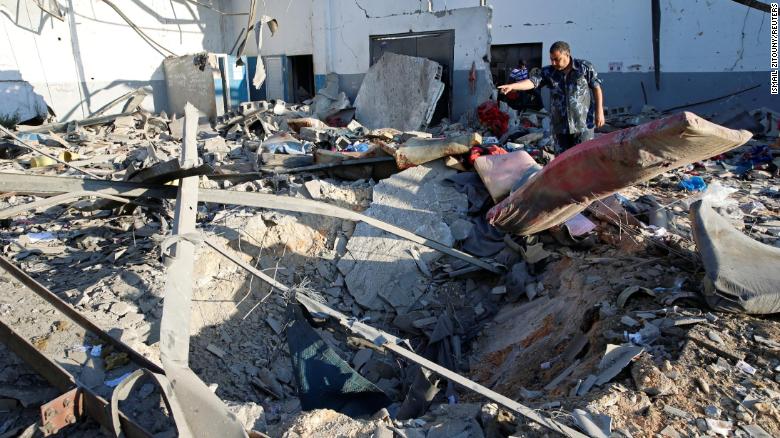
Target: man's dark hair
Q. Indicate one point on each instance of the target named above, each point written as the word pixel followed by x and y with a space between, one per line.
pixel 560 46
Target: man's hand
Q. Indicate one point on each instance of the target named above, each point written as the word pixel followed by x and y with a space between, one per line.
pixel 505 89
pixel 600 119
pixel 599 97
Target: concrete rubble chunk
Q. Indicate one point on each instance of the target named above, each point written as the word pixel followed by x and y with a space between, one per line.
pixel 92 374
pixel 378 268
pixel 329 99
pixel 722 428
pixel 461 229
pixel 250 414
pixel 616 358
pixel 361 357
pixel 386 98
pixel 535 253
pixel 755 431
pixel 670 432
pixel 458 420
pixel 712 411
pixel 649 379
pixel 29 396
pixel 190 79
pixel 588 424
pixel 216 351
pixel 676 412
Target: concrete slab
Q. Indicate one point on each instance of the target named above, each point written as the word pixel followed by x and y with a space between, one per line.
pixel 399 92
pixel 379 269
pixel 190 78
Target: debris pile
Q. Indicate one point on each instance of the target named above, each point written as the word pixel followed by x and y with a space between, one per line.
pixel 457 280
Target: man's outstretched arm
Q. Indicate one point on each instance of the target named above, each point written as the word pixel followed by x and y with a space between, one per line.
pixel 525 84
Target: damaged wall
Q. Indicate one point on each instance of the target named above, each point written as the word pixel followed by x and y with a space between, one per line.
pixel 708 48
pixel 78 65
pixel 352 25
pixel 337 35
pixel 293 37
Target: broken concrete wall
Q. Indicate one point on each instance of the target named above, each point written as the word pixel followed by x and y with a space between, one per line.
pixel 708 49
pixel 702 44
pixel 386 100
pixel 190 79
pixel 351 25
pixel 382 271
pixel 93 56
pixel 337 34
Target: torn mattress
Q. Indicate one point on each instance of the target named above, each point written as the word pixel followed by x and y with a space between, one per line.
pixel 603 166
pixel 742 274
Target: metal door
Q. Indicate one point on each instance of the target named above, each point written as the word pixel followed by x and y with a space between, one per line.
pixel 274 81
pixel 437 46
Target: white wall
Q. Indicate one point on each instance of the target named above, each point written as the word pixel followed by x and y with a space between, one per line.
pixel 350 28
pixel 706 36
pixel 294 36
pixel 696 35
pixel 94 56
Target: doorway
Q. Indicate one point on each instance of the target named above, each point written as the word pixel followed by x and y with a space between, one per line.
pixel 302 77
pixel 437 46
pixel 289 78
pixel 505 57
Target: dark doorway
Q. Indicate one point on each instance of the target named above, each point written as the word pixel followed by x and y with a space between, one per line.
pixel 437 46
pixel 505 57
pixel 302 77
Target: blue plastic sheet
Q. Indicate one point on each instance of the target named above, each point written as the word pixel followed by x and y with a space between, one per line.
pixel 693 184
pixel 357 147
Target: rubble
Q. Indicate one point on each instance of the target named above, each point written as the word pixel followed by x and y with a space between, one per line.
pixel 368 240
pixel 373 258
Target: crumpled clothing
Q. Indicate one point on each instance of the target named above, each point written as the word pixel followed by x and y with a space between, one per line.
pixel 284 143
pixel 491 117
pixel 693 184
pixel 471 184
pixel 324 380
pixel 518 74
pixel 478 151
pixel 484 240
pixel 358 147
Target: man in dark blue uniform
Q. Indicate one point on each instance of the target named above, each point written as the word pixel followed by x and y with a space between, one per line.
pixel 577 103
